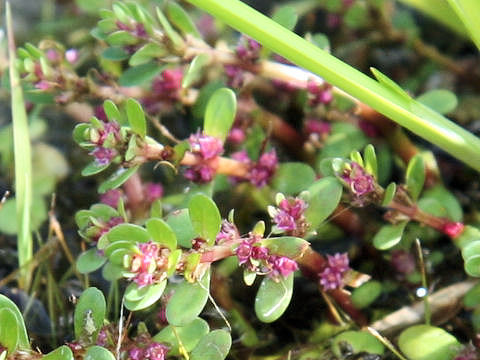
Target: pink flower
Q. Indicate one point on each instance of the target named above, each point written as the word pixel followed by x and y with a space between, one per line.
pixel 156 351
pixel 205 146
pixel 282 265
pixel 331 279
pixel 248 49
pixel 103 156
pixel 236 136
pixel 227 232
pixel 244 251
pixel 111 197
pixel 235 75
pixel 168 85
pixel 313 126
pixel 284 221
pixel 361 183
pixel 43 85
pixel 71 55
pixel 262 171
pixel 153 191
pixel 338 262
pixel 111 130
pixel 453 229
pixel 144 263
pixel 199 173
pixel 136 353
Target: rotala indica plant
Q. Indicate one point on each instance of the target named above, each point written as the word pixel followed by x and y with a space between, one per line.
pixel 221 182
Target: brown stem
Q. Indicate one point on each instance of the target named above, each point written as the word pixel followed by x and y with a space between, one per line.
pixel 415 213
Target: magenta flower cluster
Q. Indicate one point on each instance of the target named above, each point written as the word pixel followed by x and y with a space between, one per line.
pixel 228 232
pixel 146 262
pixel 207 149
pixel 153 351
pixel 289 216
pixel 260 172
pixel 257 258
pixel 248 50
pixel 332 276
pixel 105 140
pixel 359 181
pixel 319 93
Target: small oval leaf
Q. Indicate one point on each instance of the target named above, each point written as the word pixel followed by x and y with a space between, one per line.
pixel 161 233
pixel 146 296
pixel 136 117
pixel 389 236
pixel 188 301
pixel 117 179
pixel 293 177
pixel 9 330
pixel 205 217
pixel 324 198
pixel 61 353
pixel 89 314
pixel 213 346
pixel 273 298
pixel 90 261
pixel 220 113
pixel 425 342
pixel 415 177
pixel 98 353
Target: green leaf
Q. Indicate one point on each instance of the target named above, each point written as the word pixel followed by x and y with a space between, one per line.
pixel 288 246
pixel 389 194
pixel 189 336
pixel 144 297
pixel 442 101
pixel 194 70
pixel 22 159
pixel 79 133
pixel 161 233
pixel 471 249
pixel 389 236
pixel 324 198
pixel 447 199
pixel 181 225
pixel 98 353
pixel 93 168
pixel 181 20
pixel 169 31
pixel 23 341
pixel 366 294
pixel 355 156
pixel 205 217
pixel 472 297
pixel 213 346
pixel 273 298
pixel 425 342
pixel 415 177
pixel 115 53
pixel 61 353
pixel 90 6
pixel 136 117
pixel 117 179
pixel 9 330
pixel 128 232
pixel 467 11
pixel 90 261
pixel 360 341
pixel 188 301
pixel 389 84
pixel 286 16
pixel 89 314
pixel 112 112
pixel 371 160
pixel 121 38
pixel 472 265
pixel 146 53
pixel 220 113
pixel 293 177
pixel 8 219
pixel 469 234
pixel 141 74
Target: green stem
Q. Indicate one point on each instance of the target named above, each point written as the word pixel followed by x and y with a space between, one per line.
pixel 23 165
pixel 383 97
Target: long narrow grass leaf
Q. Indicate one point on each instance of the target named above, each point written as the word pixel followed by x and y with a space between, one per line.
pixel 23 166
pixel 407 112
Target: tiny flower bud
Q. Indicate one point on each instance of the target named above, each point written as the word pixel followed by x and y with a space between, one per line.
pixel 71 55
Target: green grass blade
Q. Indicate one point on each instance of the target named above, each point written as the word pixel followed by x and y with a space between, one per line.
pixel 381 96
pixel 468 11
pixel 440 11
pixel 23 166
